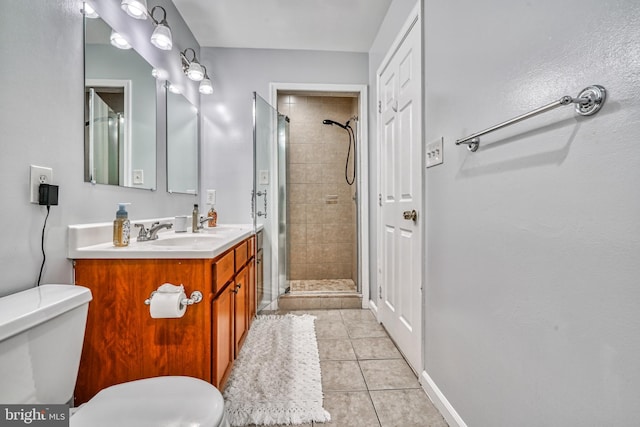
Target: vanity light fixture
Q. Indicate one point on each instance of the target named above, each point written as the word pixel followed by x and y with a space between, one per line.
pixel 89 11
pixel 205 88
pixel 135 8
pixel 191 68
pixel 118 41
pixel 161 37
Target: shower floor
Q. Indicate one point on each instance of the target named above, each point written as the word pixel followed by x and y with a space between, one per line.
pixel 324 285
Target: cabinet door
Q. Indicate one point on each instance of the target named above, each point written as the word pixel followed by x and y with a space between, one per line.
pixel 122 342
pixel 223 344
pixel 241 307
pixel 252 291
pixel 259 277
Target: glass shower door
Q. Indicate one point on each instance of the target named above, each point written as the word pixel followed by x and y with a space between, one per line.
pixel 105 134
pixel 268 201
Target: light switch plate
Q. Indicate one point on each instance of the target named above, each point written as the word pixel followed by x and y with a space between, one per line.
pixel 263 178
pixel 39 175
pixel 211 197
pixel 434 153
pixel 138 177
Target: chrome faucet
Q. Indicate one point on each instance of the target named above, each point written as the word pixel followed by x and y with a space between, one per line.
pixel 152 233
pixel 201 221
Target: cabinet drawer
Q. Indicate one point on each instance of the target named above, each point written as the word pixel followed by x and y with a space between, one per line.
pixel 241 255
pixel 223 271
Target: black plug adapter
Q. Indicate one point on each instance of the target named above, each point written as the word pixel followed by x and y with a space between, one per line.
pixel 48 195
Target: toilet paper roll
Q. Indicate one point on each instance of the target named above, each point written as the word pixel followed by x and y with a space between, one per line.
pixel 167 305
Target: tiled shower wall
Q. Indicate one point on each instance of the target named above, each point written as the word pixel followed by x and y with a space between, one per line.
pixel 321 226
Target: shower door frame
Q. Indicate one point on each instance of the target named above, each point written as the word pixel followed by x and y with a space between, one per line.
pixel 362 168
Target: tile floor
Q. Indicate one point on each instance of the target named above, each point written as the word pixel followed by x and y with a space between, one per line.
pixel 365 380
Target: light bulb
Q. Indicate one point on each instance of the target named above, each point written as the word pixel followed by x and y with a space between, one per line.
pixel 135 8
pixel 90 12
pixel 195 71
pixel 118 41
pixel 159 74
pixel 161 37
pixel 206 87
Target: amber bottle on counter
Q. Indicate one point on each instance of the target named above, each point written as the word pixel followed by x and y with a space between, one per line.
pixel 213 217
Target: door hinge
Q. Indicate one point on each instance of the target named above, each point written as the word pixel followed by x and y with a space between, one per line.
pixel 380 107
pixel 380 291
pixel 379 199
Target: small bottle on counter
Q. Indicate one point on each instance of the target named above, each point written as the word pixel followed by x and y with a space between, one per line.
pixel 213 217
pixel 121 226
pixel 195 219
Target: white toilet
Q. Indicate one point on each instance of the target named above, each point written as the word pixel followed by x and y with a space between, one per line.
pixel 41 335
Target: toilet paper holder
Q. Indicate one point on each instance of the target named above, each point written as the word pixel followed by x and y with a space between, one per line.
pixel 194 298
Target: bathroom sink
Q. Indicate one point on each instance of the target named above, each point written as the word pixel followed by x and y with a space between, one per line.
pixel 201 241
pixel 218 231
pixel 95 242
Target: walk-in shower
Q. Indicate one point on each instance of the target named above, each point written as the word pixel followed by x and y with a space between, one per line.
pixel 321 192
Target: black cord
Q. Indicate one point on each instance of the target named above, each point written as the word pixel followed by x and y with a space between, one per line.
pixel 346 166
pixel 44 256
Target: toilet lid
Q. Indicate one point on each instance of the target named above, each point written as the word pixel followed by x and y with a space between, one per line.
pixel 153 402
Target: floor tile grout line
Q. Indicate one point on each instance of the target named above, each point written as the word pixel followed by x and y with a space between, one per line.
pixel 368 391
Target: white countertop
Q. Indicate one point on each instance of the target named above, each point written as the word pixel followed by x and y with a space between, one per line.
pixel 93 241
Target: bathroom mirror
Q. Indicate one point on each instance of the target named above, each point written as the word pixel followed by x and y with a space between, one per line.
pixel 182 143
pixel 120 112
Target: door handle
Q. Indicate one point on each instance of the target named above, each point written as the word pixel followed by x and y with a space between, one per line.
pixel 413 215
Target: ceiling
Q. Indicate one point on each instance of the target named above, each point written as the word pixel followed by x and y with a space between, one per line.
pixel 331 25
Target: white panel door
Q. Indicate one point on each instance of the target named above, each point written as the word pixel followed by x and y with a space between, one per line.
pixel 400 112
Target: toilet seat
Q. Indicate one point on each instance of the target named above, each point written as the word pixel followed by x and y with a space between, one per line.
pixel 170 401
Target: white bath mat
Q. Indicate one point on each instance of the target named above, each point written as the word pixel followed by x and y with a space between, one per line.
pixel 276 378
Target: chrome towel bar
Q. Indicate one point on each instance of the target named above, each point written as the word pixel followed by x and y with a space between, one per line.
pixel 588 102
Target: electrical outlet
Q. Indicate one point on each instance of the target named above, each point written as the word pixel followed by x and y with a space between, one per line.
pixel 263 177
pixel 39 175
pixel 434 153
pixel 138 177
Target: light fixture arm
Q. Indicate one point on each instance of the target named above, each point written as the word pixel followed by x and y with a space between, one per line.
pixel 162 21
pixel 183 55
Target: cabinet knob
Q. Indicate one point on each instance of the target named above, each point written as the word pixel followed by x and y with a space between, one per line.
pixel 235 291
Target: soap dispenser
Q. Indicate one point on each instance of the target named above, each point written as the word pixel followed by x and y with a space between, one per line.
pixel 213 217
pixel 121 226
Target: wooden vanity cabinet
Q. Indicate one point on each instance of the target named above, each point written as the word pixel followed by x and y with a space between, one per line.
pixel 123 343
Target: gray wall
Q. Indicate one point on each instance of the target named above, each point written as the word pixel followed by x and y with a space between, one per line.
pixel 41 111
pixel 227 150
pixel 534 241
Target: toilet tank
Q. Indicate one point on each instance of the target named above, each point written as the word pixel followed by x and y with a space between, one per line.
pixel 41 335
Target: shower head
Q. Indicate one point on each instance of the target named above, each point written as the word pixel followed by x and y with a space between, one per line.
pixel 332 122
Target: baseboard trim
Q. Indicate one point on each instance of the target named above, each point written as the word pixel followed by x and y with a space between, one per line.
pixel 446 409
pixel 372 306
